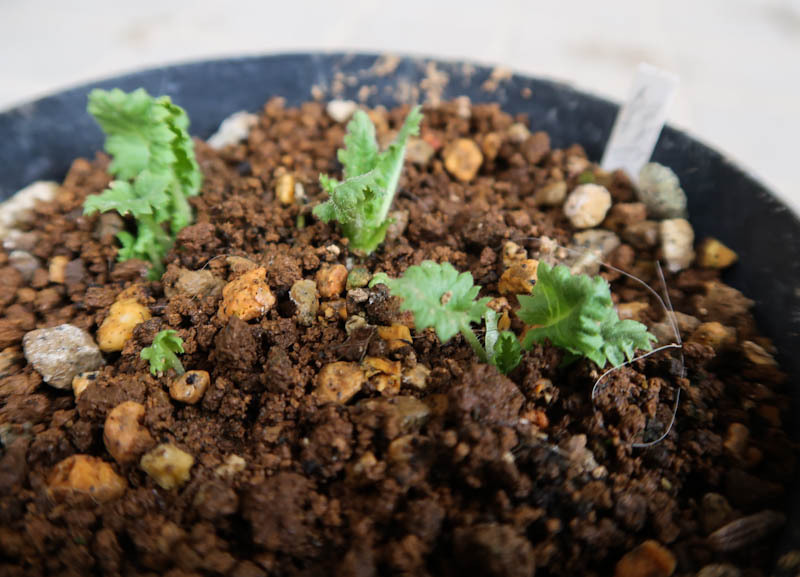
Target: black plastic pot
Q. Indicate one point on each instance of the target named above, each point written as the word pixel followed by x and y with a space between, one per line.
pixel 40 139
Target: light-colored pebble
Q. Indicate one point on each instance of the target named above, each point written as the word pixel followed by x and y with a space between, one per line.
pixel 758 355
pixel 518 133
pixel 715 335
pixel 169 466
pixel 338 382
pixel 587 205
pixel 341 110
pixel 19 240
pixel 419 151
pixel 677 243
pixel 57 268
pixel 513 254
pixel 417 376
pixel 233 464
pixel 233 129
pixel 660 190
pixel 713 254
pixel 331 280
pixel 59 353
pixel 650 559
pixel 519 278
pixel 196 283
pixel 463 159
pixel 719 570
pixel 284 189
pixel 25 263
pixel 86 475
pixel 588 249
pixel 117 328
pixel 397 336
pixel 20 206
pixel 247 297
pixel 306 298
pixel 551 194
pixel 124 435
pixel 190 387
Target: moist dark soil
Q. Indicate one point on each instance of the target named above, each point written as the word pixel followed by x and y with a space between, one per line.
pixel 438 465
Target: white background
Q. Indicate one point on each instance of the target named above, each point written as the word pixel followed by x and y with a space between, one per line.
pixel 738 60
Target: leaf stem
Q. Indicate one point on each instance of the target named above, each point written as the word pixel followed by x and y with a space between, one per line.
pixel 473 341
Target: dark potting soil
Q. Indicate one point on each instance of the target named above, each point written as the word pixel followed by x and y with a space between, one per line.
pixel 436 465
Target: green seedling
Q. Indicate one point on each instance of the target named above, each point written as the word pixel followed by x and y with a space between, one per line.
pixel 154 170
pixel 162 354
pixel 361 202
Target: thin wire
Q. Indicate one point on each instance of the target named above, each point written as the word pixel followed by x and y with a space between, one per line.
pixel 669 312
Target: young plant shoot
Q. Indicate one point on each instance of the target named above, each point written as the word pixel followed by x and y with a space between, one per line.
pixel 361 202
pixel 575 313
pixel 162 354
pixel 440 297
pixel 154 170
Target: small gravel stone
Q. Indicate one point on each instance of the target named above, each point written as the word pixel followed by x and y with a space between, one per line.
pixel 284 189
pixel 25 263
pixel 57 268
pixel 331 280
pixel 18 240
pixel 338 382
pixel 190 387
pixel 677 242
pixel 715 511
pixel 398 226
pixel 519 278
pixel 341 110
pixel 60 353
pixel 358 277
pixel 536 147
pixel 736 440
pixel 713 254
pixel 551 194
pixel 518 133
pixel 169 466
pixel 197 283
pixel 715 335
pixel 233 464
pixel 397 336
pixel 641 235
pixel 590 246
pixel 462 159
pixel 109 224
pixel 417 376
pixel 248 297
pixel 419 151
pixel 117 328
pixel 86 475
pixel 758 355
pixel 660 190
pixel 587 205
pixel 233 129
pixel 123 434
pixel 20 206
pixel 650 559
pixel 513 254
pixel 305 297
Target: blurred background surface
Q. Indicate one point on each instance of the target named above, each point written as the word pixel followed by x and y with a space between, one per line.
pixel 738 60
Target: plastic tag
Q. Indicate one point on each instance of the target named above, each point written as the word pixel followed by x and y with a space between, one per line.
pixel 640 120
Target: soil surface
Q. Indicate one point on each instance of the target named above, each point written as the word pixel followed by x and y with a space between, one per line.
pixel 409 457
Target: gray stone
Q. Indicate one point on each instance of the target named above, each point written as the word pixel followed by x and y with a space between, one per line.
pixel 25 263
pixel 59 353
pixel 588 248
pixel 660 190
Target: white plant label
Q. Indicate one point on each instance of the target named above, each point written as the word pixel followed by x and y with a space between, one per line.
pixel 640 120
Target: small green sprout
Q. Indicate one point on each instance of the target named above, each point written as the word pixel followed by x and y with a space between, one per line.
pixel 154 168
pixel 576 313
pixel 361 203
pixel 162 353
pixel 442 298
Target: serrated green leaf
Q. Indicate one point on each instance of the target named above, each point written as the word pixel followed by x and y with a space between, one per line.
pixel 360 152
pixel 154 165
pixel 362 201
pixel 162 352
pixel 502 347
pixel 576 313
pixel 438 296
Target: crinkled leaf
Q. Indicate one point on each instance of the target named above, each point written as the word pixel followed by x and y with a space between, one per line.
pixel 162 352
pixel 362 201
pixel 575 312
pixel 149 141
pixel 360 152
pixel 438 296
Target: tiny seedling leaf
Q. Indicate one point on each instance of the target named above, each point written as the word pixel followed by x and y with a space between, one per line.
pixel 162 353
